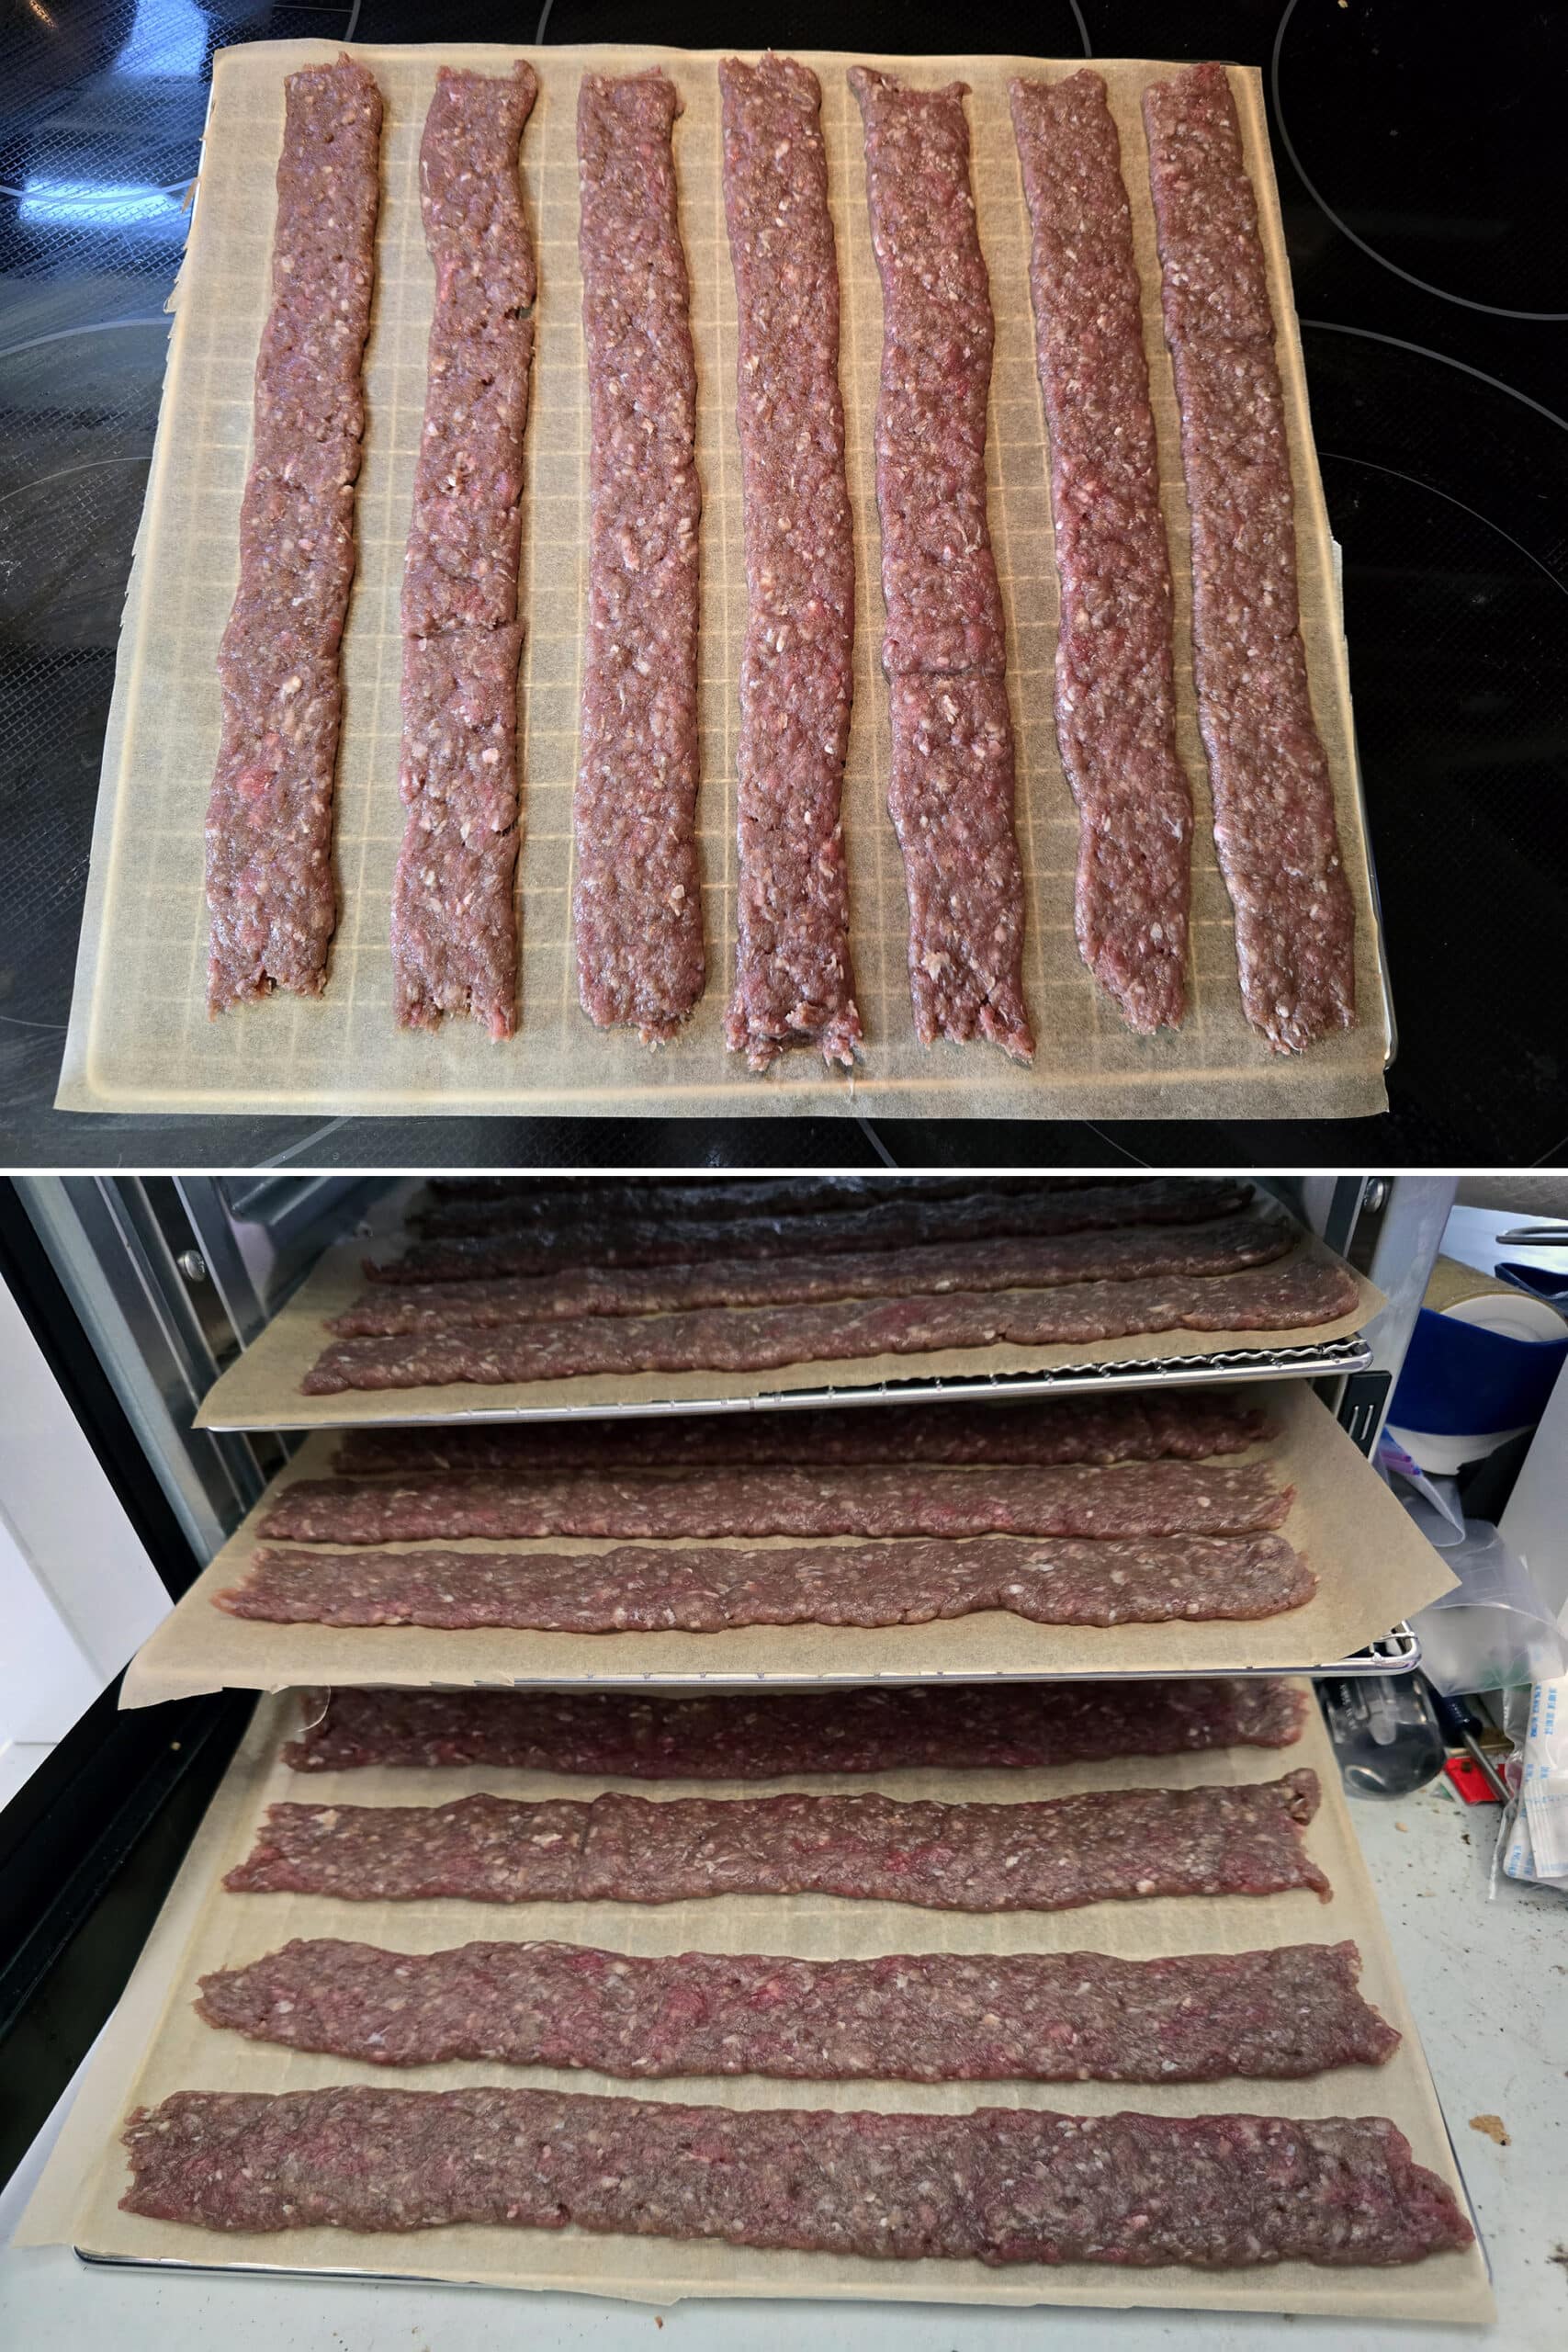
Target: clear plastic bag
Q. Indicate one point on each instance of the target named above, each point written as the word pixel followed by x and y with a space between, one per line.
pixel 1493 1629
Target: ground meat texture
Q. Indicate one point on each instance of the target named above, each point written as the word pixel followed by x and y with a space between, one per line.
pixel 949 794
pixel 636 911
pixel 1296 1292
pixel 1104 1845
pixel 950 782
pixel 460 568
pixel 511 1204
pixel 1139 1427
pixel 270 892
pixel 676 1588
pixel 1000 2185
pixel 1133 1499
pixel 1010 1263
pixel 615 1237
pixel 1274 819
pixel 454 911
pixel 958 1726
pixel 1115 678
pixel 793 978
pixel 922 2017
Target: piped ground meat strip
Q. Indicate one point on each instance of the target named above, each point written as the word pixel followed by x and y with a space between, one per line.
pixel 949 794
pixel 1141 1427
pixel 674 1587
pixel 944 650
pixel 1010 1262
pixel 958 1726
pixel 1132 1500
pixel 1000 2185
pixel 454 911
pixel 794 984
pixel 1116 676
pixel 517 1204
pixel 454 907
pixel 652 1239
pixel 636 911
pixel 1274 819
pixel 921 2017
pixel 271 895
pixel 1294 1294
pixel 1103 1845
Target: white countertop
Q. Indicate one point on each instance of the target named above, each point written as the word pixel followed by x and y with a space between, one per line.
pixel 1489 1986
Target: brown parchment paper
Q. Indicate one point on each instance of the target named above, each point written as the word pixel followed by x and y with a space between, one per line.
pixel 261 1388
pixel 140 1037
pixel 156 2045
pixel 1372 1567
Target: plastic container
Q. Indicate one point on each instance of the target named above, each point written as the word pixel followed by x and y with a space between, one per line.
pixel 1493 1629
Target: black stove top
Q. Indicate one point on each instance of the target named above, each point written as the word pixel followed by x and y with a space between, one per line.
pixel 1418 155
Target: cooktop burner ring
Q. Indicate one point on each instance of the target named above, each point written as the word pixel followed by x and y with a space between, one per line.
pixel 1397 269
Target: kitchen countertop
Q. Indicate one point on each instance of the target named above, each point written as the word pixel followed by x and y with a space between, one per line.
pixel 1489 1986
pixel 1435 308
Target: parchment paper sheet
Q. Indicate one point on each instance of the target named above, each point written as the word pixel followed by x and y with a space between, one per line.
pixel 140 1037
pixel 1373 1566
pixel 261 1388
pixel 156 2045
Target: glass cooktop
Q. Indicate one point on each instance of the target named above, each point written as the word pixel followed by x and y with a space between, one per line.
pixel 1418 157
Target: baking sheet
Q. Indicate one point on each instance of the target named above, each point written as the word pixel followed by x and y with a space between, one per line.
pixel 261 1388
pixel 1372 1565
pixel 140 1037
pixel 156 2045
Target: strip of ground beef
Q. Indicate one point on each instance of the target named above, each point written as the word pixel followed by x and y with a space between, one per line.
pixel 515 1206
pixel 1018 1262
pixel 655 1239
pixel 454 910
pixel 959 1726
pixel 270 892
pixel 1187 1425
pixel 1057 1854
pixel 674 1588
pixel 1274 819
pixel 1002 2184
pixel 636 911
pixel 1115 675
pixel 920 2016
pixel 1075 1499
pixel 794 984
pixel 944 650
pixel 1296 1292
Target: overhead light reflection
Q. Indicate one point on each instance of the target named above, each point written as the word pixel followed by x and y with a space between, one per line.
pixel 97 203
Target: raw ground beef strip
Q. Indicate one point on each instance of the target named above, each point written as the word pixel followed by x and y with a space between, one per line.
pixel 1293 1293
pixel 454 906
pixel 1140 1427
pixel 636 911
pixel 1274 820
pixel 924 2018
pixel 523 1205
pixel 652 1239
pixel 944 650
pixel 959 1726
pixel 270 889
pixel 1132 1500
pixel 1058 1854
pixel 1010 1263
pixel 1002 2184
pixel 670 1586
pixel 454 911
pixel 793 978
pixel 1115 677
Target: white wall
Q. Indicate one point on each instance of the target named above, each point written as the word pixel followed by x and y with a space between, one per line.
pixel 77 1591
